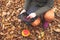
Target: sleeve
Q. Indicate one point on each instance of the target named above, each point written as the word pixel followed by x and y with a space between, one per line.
pixel 45 8
pixel 26 4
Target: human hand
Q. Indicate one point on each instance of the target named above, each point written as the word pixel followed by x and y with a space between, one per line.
pixel 36 22
pixel 49 16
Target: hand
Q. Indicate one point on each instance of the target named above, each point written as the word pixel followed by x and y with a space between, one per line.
pixel 32 15
pixel 36 22
pixel 49 16
pixel 23 11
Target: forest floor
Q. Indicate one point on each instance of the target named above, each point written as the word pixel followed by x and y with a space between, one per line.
pixel 11 27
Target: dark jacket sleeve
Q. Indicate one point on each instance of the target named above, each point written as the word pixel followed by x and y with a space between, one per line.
pixel 27 4
pixel 45 8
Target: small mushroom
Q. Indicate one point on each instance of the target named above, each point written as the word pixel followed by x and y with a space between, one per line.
pixel 42 34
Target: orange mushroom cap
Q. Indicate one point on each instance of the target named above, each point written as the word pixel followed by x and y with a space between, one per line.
pixel 25 33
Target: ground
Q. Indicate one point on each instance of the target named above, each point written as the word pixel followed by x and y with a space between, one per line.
pixel 11 27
